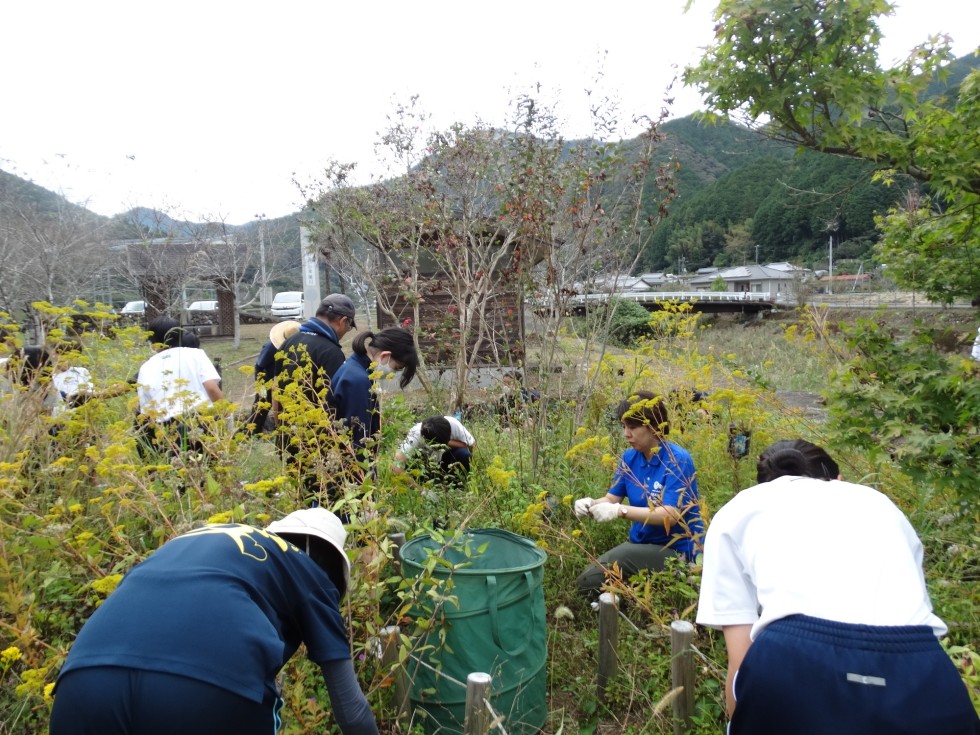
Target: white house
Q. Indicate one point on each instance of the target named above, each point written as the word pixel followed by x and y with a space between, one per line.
pixel 762 279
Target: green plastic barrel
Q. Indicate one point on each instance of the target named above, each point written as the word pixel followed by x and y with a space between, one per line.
pixel 495 624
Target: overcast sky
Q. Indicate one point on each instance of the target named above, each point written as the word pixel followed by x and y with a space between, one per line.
pixel 208 109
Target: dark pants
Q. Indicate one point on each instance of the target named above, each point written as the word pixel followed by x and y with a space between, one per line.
pixel 452 466
pixel 109 700
pixel 258 418
pixel 172 437
pixel 808 676
pixel 631 559
pixel 456 459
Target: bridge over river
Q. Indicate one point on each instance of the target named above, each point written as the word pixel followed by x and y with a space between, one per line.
pixel 712 302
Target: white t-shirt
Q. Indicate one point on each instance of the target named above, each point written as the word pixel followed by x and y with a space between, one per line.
pixel 67 384
pixel 414 440
pixel 171 383
pixel 831 550
pixel 976 346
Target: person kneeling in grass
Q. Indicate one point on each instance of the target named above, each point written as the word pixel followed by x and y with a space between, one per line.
pixel 658 479
pixel 440 447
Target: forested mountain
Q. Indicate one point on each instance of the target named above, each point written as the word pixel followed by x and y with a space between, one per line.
pixel 743 197
pixel 777 206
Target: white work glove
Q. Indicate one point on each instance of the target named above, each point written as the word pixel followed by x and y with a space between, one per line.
pixel 603 512
pixel 582 506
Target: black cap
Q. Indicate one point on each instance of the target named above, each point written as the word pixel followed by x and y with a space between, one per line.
pixel 337 303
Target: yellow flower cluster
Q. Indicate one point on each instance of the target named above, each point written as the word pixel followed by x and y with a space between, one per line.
pixel 31 683
pixel 586 446
pixel 265 487
pixel 107 584
pixel 498 475
pixel 609 461
pixel 10 656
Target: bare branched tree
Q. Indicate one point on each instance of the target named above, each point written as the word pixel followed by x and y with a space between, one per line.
pixel 51 251
pixel 479 213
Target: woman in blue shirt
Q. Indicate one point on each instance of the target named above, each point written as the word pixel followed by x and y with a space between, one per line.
pixel 657 477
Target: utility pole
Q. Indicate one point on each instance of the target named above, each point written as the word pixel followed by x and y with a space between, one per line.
pixel 757 253
pixel 832 228
pixel 830 282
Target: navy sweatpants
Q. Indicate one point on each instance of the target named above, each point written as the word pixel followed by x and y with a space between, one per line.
pixel 108 700
pixel 807 676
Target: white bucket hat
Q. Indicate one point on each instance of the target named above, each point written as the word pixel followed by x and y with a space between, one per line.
pixel 322 524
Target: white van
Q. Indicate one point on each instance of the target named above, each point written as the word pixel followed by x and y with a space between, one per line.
pixel 288 305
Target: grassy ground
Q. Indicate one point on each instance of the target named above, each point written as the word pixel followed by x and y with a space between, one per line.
pixel 78 510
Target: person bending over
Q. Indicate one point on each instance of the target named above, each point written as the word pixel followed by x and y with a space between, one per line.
pixel 440 446
pixel 193 638
pixel 173 385
pixel 817 585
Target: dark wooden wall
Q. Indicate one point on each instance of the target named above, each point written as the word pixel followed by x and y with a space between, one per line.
pixel 438 326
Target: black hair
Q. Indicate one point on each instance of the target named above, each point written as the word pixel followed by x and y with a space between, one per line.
pixel 798 458
pixel 436 429
pixel 189 339
pixel 395 340
pixel 165 330
pixel 645 408
pixel 34 363
pixel 324 554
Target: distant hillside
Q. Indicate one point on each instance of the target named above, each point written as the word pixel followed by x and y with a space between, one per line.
pixel 17 194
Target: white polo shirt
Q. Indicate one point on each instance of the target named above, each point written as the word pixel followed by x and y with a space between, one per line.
pixel 798 545
pixel 171 383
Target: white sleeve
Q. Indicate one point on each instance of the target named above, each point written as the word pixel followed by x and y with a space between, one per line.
pixel 205 368
pixel 728 595
pixel 411 442
pixel 459 432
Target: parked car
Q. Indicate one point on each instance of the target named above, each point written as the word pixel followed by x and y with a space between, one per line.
pixel 203 306
pixel 134 308
pixel 288 305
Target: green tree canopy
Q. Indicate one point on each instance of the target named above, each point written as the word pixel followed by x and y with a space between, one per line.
pixel 806 72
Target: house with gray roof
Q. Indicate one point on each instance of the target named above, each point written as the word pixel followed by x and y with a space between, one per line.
pixel 757 279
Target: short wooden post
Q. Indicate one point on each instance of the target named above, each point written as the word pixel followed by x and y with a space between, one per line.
pixel 390 640
pixel 682 673
pixel 397 541
pixel 608 641
pixel 477 720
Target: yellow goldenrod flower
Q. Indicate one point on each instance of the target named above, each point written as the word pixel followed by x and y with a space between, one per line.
pixel 10 655
pixel 32 683
pixel 107 584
